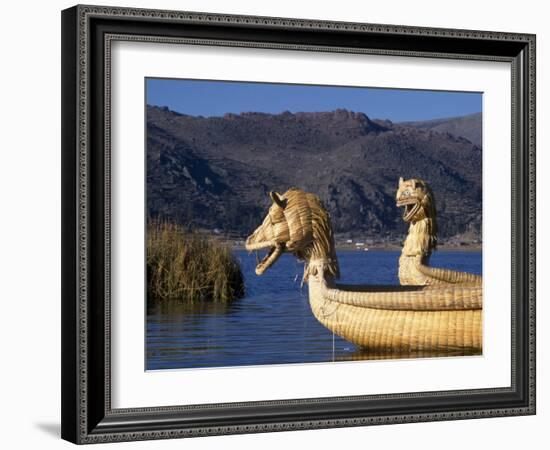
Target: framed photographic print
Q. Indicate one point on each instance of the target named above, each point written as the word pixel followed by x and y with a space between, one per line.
pixel 281 224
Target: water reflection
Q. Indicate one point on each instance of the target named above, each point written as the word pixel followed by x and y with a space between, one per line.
pixel 183 310
pixel 363 355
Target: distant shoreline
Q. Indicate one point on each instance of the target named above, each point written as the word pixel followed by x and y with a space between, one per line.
pixel 461 248
pixel 388 248
pixel 238 243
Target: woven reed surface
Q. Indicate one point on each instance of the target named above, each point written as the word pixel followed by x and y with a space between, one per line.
pixel 413 272
pixel 424 298
pixel 298 216
pixel 438 275
pixel 399 330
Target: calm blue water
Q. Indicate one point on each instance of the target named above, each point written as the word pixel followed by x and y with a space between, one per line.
pixel 273 324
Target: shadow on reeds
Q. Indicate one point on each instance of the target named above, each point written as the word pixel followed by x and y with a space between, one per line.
pixel 185 266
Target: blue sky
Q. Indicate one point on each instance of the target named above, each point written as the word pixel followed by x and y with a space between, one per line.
pixel 215 98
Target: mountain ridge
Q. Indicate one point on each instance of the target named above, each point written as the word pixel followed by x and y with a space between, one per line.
pixel 216 172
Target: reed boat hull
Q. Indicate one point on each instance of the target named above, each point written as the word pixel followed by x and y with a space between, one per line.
pixel 391 330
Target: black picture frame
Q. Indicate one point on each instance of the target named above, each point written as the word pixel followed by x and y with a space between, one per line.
pixel 87 415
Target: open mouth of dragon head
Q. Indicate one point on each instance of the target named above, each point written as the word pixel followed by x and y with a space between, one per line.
pixel 274 251
pixel 408 199
pixel 271 235
pixel 410 208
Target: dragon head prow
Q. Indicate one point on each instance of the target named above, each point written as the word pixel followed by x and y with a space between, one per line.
pixel 297 223
pixel 417 198
pixel 418 201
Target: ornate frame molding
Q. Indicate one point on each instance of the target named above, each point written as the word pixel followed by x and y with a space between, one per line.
pixel 87 423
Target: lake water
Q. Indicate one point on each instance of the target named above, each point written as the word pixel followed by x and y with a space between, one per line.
pixel 273 323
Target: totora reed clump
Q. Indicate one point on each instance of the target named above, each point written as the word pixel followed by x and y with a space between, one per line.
pixel 185 266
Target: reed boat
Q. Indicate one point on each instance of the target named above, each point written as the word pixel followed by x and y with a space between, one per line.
pixel 418 201
pixel 415 319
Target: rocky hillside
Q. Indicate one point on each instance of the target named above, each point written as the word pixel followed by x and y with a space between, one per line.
pixel 215 173
pixel 468 126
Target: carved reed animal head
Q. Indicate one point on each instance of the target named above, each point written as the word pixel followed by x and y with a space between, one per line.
pixel 417 198
pixel 418 201
pixel 298 223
